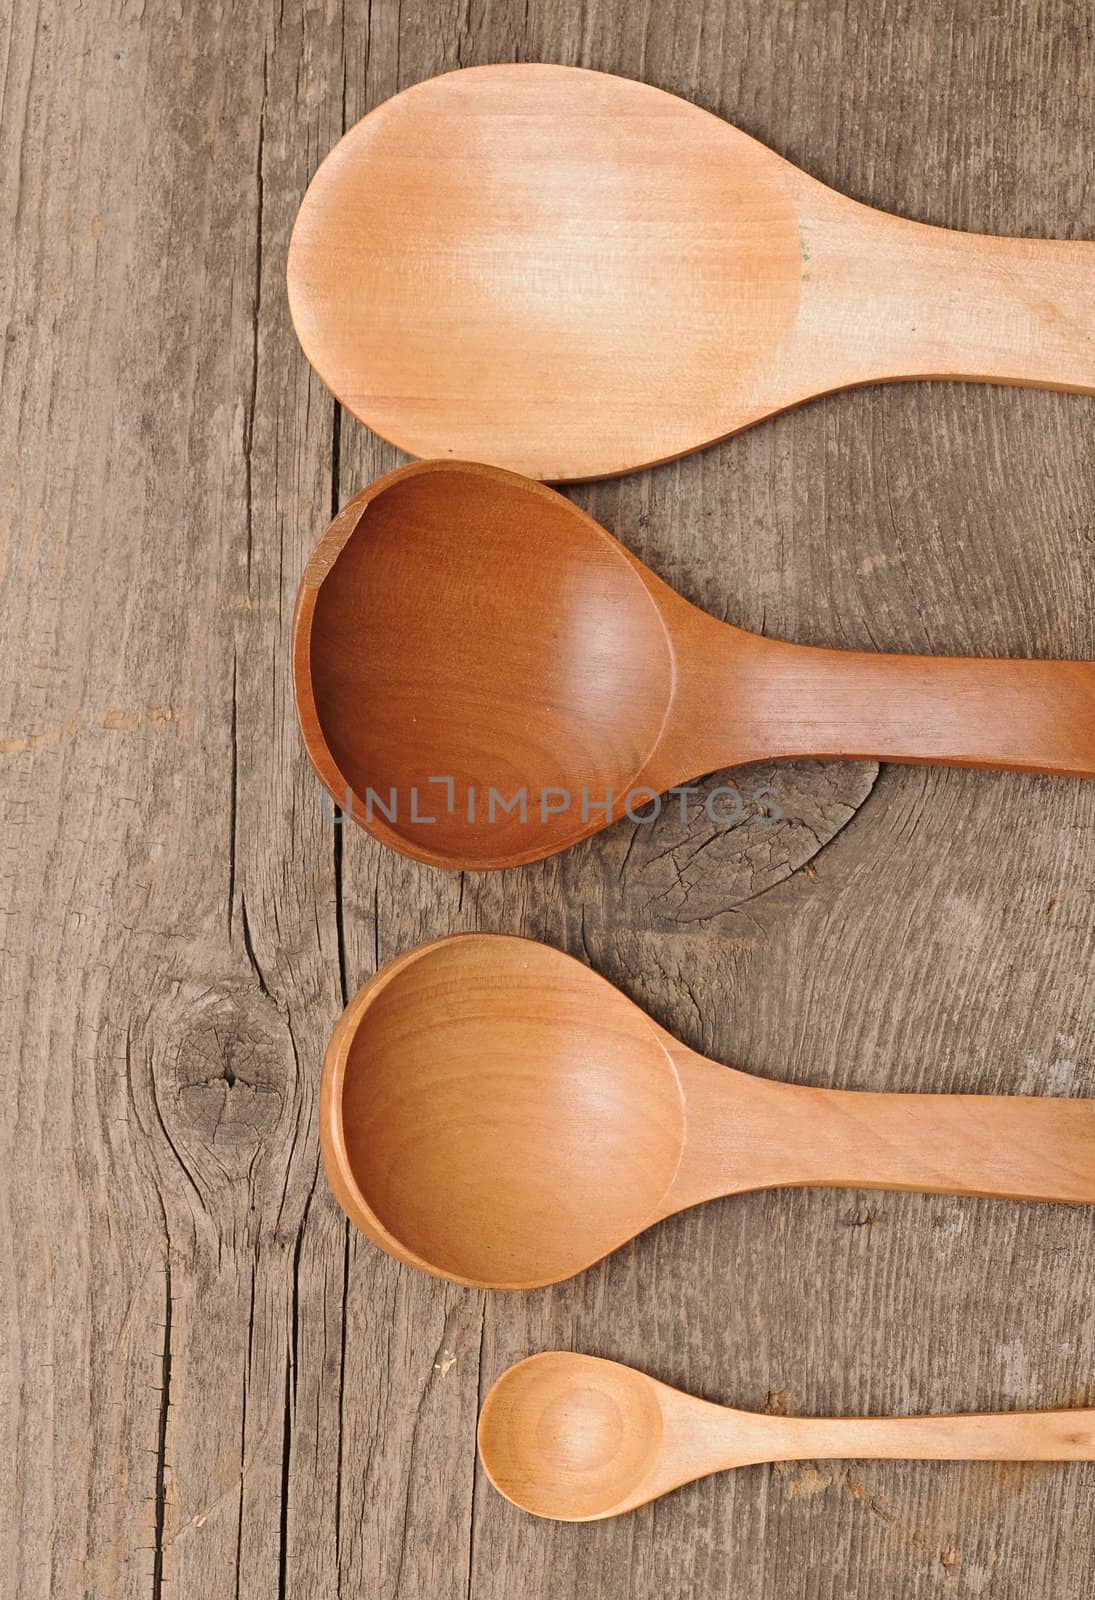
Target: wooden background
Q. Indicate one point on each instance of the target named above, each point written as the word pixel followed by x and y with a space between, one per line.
pixel 212 1387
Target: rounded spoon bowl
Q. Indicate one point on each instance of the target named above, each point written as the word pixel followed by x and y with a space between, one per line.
pixel 503 1124
pixel 477 665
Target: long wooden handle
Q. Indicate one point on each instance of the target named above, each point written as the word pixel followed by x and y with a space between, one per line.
pixel 1013 1146
pixel 980 1436
pixel 745 1132
pixel 1006 310
pixel 1035 716
pixel 892 298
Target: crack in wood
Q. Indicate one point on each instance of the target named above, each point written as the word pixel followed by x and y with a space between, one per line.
pixel 161 1441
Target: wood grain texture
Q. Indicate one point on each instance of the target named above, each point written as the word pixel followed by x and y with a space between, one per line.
pixel 213 1387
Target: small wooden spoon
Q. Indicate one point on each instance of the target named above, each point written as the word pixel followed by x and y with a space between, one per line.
pixel 577 1438
pixel 574 275
pixel 465 637
pixel 495 1113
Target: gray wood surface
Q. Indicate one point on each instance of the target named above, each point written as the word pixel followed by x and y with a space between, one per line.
pixel 212 1388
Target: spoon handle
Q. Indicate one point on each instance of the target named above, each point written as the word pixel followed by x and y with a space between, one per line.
pixel 746 1132
pixel 976 1436
pixel 1033 716
pixel 1011 1146
pixel 948 304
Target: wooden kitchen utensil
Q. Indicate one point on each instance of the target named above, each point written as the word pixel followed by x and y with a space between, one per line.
pixel 577 1438
pixel 485 676
pixel 495 1113
pixel 573 275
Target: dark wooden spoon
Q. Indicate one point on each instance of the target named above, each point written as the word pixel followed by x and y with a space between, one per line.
pixel 484 676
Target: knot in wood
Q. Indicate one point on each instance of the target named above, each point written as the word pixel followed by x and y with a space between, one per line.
pixel 230 1071
pixel 697 853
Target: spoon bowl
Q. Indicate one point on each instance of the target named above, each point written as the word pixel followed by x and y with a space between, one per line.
pixel 508 1134
pixel 495 1113
pixel 465 637
pixel 573 275
pixel 485 676
pixel 572 1437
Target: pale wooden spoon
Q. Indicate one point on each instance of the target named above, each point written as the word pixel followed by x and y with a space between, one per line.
pixel 465 637
pixel 577 1438
pixel 574 275
pixel 495 1113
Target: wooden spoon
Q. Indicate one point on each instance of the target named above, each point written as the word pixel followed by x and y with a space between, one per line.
pixel 495 1113
pixel 465 638
pixel 574 275
pixel 577 1438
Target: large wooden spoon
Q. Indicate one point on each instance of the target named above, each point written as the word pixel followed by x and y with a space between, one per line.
pixel 485 676
pixel 577 1438
pixel 495 1113
pixel 573 275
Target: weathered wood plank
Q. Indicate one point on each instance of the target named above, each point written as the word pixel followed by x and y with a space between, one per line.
pixel 215 1387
